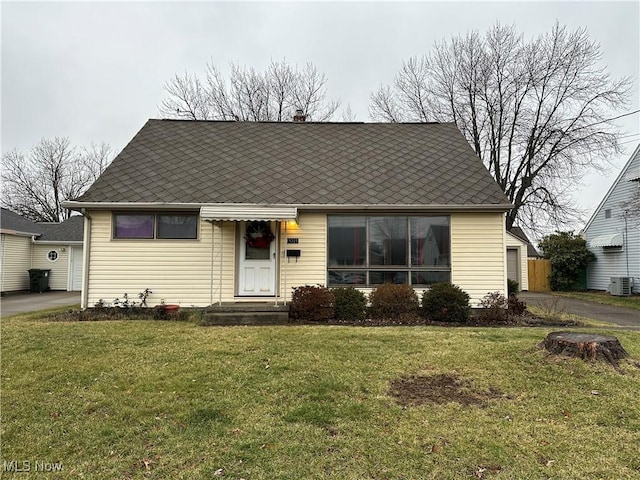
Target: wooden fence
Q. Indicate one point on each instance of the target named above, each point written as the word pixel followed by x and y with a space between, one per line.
pixel 539 272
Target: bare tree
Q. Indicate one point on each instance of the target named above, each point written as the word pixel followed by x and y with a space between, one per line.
pixel 348 115
pixel 35 185
pixel 538 113
pixel 631 209
pixel 249 95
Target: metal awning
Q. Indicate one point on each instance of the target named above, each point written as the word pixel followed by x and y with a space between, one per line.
pixel 239 212
pixel 610 240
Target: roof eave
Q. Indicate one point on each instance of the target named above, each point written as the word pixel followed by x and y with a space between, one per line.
pixel 58 242
pixel 498 207
pixel 8 231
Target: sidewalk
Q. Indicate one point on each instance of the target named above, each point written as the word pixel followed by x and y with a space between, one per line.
pixel 29 302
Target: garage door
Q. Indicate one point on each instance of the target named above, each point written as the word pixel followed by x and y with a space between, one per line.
pixel 512 264
pixel 76 269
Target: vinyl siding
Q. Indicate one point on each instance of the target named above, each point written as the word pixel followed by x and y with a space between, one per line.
pixel 614 264
pixel 310 268
pixel 59 269
pixel 178 271
pixel 16 261
pixel 513 242
pixel 478 253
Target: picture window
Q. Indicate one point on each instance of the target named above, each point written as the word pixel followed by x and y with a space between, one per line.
pixel 373 250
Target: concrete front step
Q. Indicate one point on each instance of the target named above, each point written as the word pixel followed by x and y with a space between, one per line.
pixel 246 313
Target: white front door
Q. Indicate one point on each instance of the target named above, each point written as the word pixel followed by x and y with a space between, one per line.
pixel 257 258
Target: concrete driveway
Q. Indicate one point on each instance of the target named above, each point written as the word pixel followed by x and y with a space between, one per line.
pixel 30 302
pixel 624 317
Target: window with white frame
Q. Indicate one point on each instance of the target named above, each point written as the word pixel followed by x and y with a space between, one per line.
pixel 372 250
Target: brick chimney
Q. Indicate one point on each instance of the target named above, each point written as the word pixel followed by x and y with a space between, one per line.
pixel 299 116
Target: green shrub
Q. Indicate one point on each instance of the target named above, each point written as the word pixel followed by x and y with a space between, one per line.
pixel 569 257
pixel 314 303
pixel 444 302
pixel 391 300
pixel 513 287
pixel 350 304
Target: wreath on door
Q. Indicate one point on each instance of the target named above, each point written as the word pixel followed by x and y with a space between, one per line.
pixel 259 235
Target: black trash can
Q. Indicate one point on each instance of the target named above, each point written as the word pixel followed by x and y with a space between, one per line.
pixel 39 280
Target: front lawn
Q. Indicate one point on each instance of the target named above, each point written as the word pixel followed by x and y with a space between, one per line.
pixel 171 400
pixel 605 298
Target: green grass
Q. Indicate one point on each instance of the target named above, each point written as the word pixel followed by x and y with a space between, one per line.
pixel 604 298
pixel 171 400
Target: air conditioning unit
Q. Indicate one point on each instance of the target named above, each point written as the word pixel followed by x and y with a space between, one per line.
pixel 621 285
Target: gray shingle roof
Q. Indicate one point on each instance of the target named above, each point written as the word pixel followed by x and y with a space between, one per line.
pixel 12 221
pixel 173 161
pixel 71 230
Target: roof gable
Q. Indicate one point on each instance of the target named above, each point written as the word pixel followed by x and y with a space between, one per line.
pixel 519 233
pixel 634 159
pixel 202 162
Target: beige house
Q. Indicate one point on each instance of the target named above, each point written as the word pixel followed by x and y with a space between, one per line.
pixel 206 212
pixel 26 245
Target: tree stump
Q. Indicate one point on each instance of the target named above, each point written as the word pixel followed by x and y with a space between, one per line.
pixel 585 346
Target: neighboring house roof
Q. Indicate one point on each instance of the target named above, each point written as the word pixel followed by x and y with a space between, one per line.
pixel 302 164
pixel 11 222
pixel 626 174
pixel 71 230
pixel 518 232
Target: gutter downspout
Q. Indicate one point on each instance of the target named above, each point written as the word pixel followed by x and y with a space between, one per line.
pixel 211 266
pixel 221 260
pixel 284 255
pixel 86 259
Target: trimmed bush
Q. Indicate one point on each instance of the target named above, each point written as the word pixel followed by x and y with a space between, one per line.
pixel 350 304
pixel 444 302
pixel 392 300
pixel 513 287
pixel 314 303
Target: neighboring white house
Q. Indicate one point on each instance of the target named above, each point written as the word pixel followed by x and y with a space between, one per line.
pixel 613 233
pixel 26 245
pixel 205 212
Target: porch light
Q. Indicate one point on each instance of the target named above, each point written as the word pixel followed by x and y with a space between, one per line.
pixel 292 223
